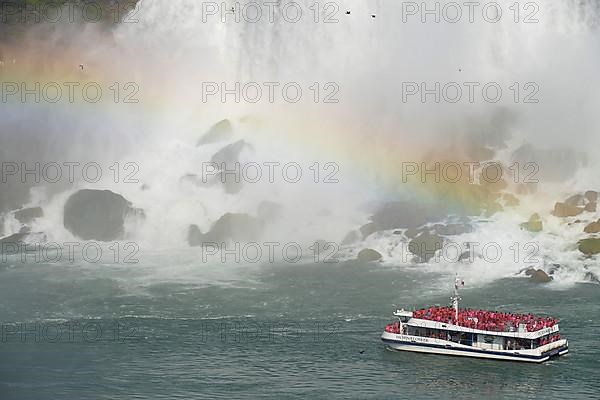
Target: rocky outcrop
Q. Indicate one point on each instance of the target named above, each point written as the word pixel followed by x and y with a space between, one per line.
pixel 97 214
pixel 589 246
pixel 553 165
pixel 534 224
pixel 594 227
pixel 230 227
pixel 27 215
pixel 563 210
pixel 591 196
pixel 425 245
pixel 227 159
pixel 368 255
pixel 219 132
pixel 539 276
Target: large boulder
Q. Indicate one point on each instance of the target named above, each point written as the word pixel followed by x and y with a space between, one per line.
pixel 369 255
pixel 591 196
pixel 576 200
pixel 594 227
pixel 425 245
pixel 26 215
pixel 226 160
pixel 97 214
pixel 552 165
pixel 534 224
pixel 566 210
pixel 589 246
pixel 230 227
pixel 540 276
pixel 219 132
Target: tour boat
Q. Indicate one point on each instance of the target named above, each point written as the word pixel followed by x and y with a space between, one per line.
pixel 476 333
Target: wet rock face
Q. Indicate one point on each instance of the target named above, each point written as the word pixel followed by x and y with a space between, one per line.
pixel 589 246
pixel 534 224
pixel 593 227
pixel 219 132
pixel 226 160
pixel 566 210
pixel 554 165
pixel 96 214
pixel 540 276
pixel 26 215
pixel 425 245
pixel 230 227
pixel 369 255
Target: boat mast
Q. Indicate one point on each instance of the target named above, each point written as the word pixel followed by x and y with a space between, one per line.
pixel 456 297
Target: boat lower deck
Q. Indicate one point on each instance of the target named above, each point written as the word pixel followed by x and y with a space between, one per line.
pixel 439 346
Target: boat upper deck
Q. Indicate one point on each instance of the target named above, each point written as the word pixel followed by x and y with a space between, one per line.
pixel 481 321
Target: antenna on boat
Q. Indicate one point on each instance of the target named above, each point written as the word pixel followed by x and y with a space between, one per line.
pixel 457 283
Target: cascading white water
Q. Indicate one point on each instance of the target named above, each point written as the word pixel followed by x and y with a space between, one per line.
pixel 177 46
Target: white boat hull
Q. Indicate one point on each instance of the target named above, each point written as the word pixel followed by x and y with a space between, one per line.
pixel 438 346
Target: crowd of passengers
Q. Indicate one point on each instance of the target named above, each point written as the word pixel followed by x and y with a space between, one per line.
pixel 485 320
pixel 515 345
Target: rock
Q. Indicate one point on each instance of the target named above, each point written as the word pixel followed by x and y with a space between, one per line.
pixel 226 160
pixel 510 200
pixel 589 246
pixel 551 165
pixel 594 227
pixel 591 196
pixel 591 277
pixel 534 224
pixel 219 132
pixel 368 229
pixel 425 245
pixel 540 276
pixel 591 206
pixel 351 237
pixel 195 236
pixel 96 214
pixel 230 227
pixel 553 268
pixel 11 243
pixel 566 210
pixel 575 200
pixel 229 154
pixel 452 229
pixel 368 255
pixel 26 215
pixel 466 256
pixel 397 232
